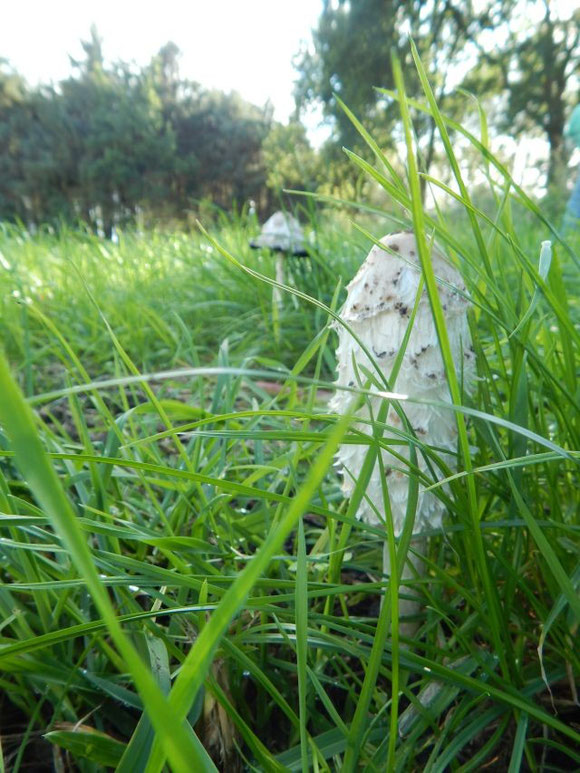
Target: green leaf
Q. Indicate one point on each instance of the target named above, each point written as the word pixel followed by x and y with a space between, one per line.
pixel 86 743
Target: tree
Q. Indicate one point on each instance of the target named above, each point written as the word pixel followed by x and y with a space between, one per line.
pixel 537 67
pixel 218 138
pixel 226 134
pixel 12 111
pixel 35 163
pixel 352 53
pixel 12 85
pixel 124 153
pixel 289 159
pixel 112 143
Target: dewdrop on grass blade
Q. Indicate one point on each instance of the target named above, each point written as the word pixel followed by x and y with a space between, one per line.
pixel 378 308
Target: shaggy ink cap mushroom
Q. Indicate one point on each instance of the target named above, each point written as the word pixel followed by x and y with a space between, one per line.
pixel 378 308
pixel 281 233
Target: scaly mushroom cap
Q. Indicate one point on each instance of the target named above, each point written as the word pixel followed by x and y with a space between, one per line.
pixel 281 232
pixel 378 307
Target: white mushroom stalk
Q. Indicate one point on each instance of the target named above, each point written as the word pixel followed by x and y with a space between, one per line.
pixel 378 309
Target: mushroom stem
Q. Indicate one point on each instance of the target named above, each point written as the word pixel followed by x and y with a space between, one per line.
pixel 409 600
pixel 277 294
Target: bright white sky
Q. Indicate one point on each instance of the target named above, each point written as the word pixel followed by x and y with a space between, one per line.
pixel 233 45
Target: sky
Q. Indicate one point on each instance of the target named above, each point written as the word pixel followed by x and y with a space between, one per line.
pixel 232 45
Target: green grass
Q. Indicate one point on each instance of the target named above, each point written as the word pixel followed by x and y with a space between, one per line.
pixel 170 299
pixel 181 577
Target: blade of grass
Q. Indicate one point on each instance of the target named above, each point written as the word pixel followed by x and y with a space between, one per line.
pixel 502 647
pixel 302 640
pixel 18 421
pixel 198 660
pixel 519 744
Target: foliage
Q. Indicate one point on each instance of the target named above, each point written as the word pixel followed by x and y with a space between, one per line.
pixel 536 68
pixel 290 160
pixel 519 58
pixel 352 47
pixel 112 145
pixel 132 280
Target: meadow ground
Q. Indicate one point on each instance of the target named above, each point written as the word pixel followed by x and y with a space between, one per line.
pixel 175 549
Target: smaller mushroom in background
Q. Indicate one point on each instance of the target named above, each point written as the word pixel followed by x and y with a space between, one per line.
pixel 281 233
pixel 378 309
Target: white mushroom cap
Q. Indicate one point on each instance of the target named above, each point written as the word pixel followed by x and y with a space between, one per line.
pixel 378 307
pixel 281 232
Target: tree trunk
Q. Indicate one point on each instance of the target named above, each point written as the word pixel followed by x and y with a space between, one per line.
pixel 108 220
pixel 558 159
pixel 427 159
